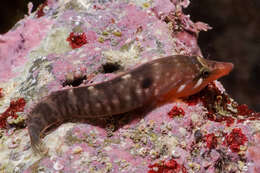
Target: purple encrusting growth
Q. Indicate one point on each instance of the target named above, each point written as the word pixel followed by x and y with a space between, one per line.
pixel 16 44
pixel 38 60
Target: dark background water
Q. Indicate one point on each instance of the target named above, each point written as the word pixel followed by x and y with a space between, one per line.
pixel 235 37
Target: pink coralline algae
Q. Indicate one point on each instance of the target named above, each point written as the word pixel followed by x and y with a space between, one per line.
pixel 254 153
pixel 14 107
pixel 170 166
pixel 235 139
pixel 68 43
pixel 16 45
pixel 77 40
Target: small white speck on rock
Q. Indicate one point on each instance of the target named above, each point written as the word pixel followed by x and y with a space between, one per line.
pixel 176 154
pixel 58 166
pixel 14 143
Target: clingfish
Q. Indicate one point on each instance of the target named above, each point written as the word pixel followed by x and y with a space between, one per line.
pixel 168 77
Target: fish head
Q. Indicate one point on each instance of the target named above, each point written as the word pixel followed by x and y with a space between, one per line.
pixel 190 74
pixel 209 71
pixel 203 72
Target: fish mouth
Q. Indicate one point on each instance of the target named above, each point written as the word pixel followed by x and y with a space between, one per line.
pixel 219 69
pixel 223 68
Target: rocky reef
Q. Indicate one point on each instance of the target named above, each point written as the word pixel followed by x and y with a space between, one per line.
pixel 68 43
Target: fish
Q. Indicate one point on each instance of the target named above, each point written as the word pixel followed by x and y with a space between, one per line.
pixel 160 79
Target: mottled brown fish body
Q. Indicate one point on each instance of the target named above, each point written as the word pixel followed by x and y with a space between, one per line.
pixel 124 93
pixel 173 75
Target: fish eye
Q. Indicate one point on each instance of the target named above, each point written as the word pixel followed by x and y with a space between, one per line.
pixel 205 73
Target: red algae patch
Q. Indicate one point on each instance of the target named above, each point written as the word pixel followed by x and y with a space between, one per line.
pixel 211 97
pixel 40 11
pixel 77 40
pixel 221 108
pixel 11 111
pixel 217 118
pixel 246 114
pixel 235 139
pixel 244 110
pixel 176 111
pixel 1 93
pixel 170 166
pixel 211 141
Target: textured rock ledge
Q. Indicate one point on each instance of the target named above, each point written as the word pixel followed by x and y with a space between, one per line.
pixel 69 43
